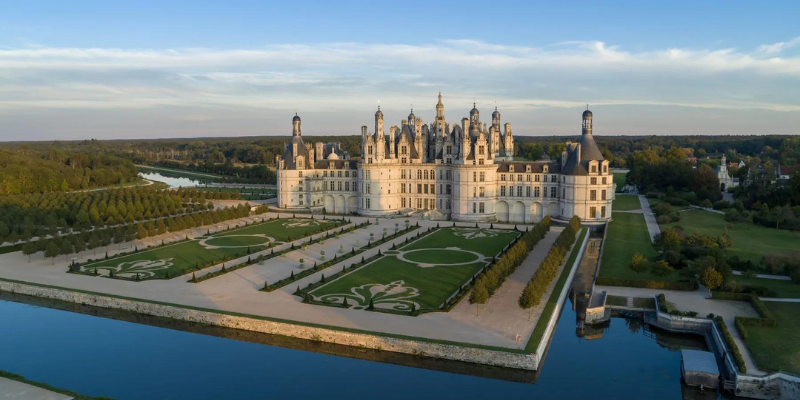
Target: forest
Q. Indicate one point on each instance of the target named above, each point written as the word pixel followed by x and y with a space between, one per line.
pixel 26 170
pixel 25 216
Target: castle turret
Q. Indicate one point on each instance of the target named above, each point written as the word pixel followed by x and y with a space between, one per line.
pixel 296 125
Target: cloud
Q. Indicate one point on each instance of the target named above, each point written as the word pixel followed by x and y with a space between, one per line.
pixel 346 79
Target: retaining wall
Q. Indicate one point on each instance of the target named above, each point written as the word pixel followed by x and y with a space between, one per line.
pixel 329 335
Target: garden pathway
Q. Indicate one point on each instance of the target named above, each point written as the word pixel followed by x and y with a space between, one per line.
pixel 14 390
pixel 502 310
pixel 766 276
pixel 697 301
pixel 649 218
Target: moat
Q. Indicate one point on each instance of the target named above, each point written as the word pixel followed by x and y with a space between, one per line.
pixel 156 359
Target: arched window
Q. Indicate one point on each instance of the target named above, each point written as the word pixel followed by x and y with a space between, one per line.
pixel 419 174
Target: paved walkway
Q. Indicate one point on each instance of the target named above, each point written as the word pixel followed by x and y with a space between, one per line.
pixel 236 291
pixel 779 299
pixel 766 276
pixel 502 310
pixel 697 301
pixel 649 218
pixel 14 390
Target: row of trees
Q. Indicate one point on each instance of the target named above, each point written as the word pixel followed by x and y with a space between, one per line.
pixel 673 172
pixel 60 245
pixel 35 215
pixel 24 170
pixel 548 270
pixel 488 282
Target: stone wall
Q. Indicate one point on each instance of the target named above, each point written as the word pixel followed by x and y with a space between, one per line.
pixel 777 386
pixel 329 335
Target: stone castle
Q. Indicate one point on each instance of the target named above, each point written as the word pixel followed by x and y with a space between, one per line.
pixel 462 171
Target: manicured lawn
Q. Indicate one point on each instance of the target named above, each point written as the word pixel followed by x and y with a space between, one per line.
pixel 181 257
pixel 654 201
pixel 627 234
pixel 620 178
pixel 626 202
pixel 777 348
pixel 616 301
pixel 393 283
pixel 782 288
pixel 750 241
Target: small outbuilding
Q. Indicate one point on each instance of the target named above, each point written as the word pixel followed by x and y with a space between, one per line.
pixel 699 368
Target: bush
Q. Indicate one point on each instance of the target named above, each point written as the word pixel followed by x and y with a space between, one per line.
pixel 638 263
pixel 734 349
pixel 660 268
pixel 663 219
pixel 648 284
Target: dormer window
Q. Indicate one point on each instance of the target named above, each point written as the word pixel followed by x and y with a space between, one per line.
pixel 510 168
pixel 594 169
pixel 528 168
pixel 544 169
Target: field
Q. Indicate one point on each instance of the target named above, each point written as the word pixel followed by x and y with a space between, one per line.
pixel 424 273
pixel 777 348
pixel 750 241
pixel 627 234
pixel 621 179
pixel 781 288
pixel 207 250
pixel 626 202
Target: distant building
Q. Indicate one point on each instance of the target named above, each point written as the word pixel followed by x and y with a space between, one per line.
pixel 725 180
pixel 464 172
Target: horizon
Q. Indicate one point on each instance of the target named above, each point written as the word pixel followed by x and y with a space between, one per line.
pixel 167 69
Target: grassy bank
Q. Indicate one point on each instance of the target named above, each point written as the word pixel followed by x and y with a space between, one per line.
pixel 777 348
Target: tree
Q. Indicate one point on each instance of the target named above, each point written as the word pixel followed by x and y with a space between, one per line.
pixel 710 278
pixel 479 295
pixel 638 263
pixel 526 300
pixel 52 250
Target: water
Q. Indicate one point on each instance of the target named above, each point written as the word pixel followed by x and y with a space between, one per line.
pixel 173 180
pixel 100 356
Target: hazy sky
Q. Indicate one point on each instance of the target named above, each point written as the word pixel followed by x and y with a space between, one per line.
pixel 153 69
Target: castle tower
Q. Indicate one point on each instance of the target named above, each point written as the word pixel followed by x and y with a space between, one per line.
pixel 587 122
pixel 379 122
pixel 296 125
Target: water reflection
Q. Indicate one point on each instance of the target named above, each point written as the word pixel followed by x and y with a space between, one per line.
pixel 142 360
pixel 173 180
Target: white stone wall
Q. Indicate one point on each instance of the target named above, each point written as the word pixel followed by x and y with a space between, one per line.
pixel 329 335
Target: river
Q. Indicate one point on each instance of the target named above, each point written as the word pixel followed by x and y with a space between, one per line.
pixel 125 360
pixel 173 180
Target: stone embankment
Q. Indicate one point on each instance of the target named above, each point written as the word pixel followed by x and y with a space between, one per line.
pixel 447 351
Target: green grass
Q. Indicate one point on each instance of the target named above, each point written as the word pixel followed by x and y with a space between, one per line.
pixel 647 302
pixel 185 256
pixel 434 284
pixel 619 301
pixel 654 201
pixel 750 241
pixel 626 202
pixel 547 311
pixel 621 179
pixel 627 234
pixel 777 348
pixel 781 288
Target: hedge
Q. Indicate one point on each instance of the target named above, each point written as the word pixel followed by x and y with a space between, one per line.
pixel 737 355
pixel 648 284
pixel 535 289
pixel 513 257
pixel 767 318
pixel 740 326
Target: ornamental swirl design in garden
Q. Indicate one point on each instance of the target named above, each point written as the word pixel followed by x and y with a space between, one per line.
pixel 394 296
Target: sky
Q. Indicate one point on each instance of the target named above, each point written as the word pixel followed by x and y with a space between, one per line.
pixel 157 69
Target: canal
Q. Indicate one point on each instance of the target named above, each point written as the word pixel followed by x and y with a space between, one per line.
pixel 148 360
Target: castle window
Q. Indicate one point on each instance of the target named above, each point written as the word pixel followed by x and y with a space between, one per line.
pixel 369 150
pixel 449 188
pixel 593 195
pixel 299 163
pixel 403 200
pixel 449 150
pixel 563 193
pixel 594 169
pixel 602 195
pixel 368 205
pixel 402 174
pixel 528 191
pixel 474 176
pixel 593 181
pixel 602 212
pixel 483 176
pixel 502 190
pixel 519 191
pixel 339 174
pixel 605 169
pixel 481 208
pixel 426 174
pixel 433 188
pixel 339 186
pixel 480 150
pixel 332 185
pixel 474 208
pixel 449 160
pixel 325 174
pixel 419 188
pixel 447 174
pixel 300 174
pixel 480 161
pixel 419 174
pixel 433 174
pixel 519 177
pixel 553 178
pixel 553 192
pixel 605 181
pixel 403 150
pixel 592 212
pixel 536 192
pixel 528 177
pixel 448 204
pixel 347 186
pixel 536 178
pixel 482 192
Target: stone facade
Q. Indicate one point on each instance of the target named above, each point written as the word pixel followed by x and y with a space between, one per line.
pixel 464 172
pixel 285 328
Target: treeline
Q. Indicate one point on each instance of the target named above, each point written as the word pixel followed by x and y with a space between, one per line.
pixel 23 170
pixel 548 270
pixel 65 245
pixel 673 173
pixel 231 173
pixel 488 282
pixel 28 215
